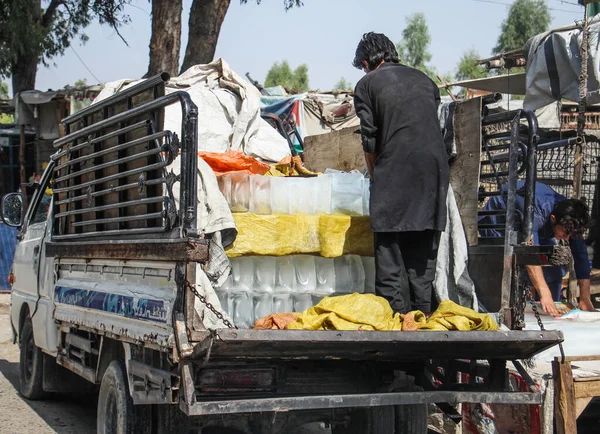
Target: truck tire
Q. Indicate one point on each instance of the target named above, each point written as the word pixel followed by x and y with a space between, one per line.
pixel 412 419
pixel 169 419
pixel 369 420
pixel 116 412
pixel 31 365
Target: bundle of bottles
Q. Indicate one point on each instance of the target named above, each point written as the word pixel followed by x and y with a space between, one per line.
pixel 262 285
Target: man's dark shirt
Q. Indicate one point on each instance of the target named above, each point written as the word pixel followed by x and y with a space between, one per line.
pixel 397 107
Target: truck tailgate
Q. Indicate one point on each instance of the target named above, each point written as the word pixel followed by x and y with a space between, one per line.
pixel 372 345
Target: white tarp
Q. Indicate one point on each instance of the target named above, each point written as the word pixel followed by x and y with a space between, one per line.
pixel 228 111
pixel 554 66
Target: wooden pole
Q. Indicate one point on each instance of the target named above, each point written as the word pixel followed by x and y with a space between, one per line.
pixel 578 165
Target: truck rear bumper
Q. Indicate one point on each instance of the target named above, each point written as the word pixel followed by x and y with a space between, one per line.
pixel 363 400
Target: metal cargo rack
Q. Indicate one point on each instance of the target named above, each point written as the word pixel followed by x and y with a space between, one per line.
pixel 110 175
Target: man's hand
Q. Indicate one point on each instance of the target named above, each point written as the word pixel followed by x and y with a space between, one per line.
pixel 549 306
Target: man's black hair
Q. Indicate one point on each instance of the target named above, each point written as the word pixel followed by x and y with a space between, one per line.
pixel 373 48
pixel 573 216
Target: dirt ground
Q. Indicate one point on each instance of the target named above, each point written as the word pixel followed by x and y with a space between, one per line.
pixel 60 414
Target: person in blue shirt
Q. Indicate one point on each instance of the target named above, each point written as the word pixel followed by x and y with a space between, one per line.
pixel 555 218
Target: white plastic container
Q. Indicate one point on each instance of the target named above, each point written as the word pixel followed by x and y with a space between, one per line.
pixel 260 194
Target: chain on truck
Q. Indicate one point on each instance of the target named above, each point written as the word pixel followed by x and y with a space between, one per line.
pixel 105 290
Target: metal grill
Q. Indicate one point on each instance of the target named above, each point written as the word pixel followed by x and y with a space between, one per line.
pixel 111 174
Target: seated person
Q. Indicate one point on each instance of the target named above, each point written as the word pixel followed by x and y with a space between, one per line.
pixel 555 218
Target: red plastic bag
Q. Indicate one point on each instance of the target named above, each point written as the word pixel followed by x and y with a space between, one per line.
pixel 234 161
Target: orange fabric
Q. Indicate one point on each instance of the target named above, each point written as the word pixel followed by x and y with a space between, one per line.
pixel 233 161
pixel 275 321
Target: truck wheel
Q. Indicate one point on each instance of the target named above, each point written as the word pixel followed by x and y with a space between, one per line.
pixel 412 419
pixel 116 412
pixel 369 420
pixel 31 365
pixel 169 419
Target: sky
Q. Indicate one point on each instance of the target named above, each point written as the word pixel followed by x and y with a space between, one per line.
pixel 323 34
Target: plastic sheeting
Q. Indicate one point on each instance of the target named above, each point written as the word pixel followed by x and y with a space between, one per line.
pixel 228 111
pixel 554 66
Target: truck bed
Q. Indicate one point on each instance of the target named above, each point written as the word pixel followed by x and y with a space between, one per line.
pixel 373 345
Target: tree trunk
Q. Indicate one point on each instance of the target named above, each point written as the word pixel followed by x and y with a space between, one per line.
pixel 23 73
pixel 206 18
pixel 165 42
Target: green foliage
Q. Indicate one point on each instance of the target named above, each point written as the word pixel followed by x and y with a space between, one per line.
pixel 343 85
pixel 526 18
pixel 82 82
pixel 6 118
pixel 3 90
pixel 288 4
pixel 28 30
pixel 414 47
pixel 468 68
pixel 281 74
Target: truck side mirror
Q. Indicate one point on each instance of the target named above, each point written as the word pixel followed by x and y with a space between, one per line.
pixel 12 209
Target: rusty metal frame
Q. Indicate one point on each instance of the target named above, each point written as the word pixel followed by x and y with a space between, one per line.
pixel 69 146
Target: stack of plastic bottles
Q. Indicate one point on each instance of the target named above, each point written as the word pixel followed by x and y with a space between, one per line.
pixel 262 285
pixel 331 193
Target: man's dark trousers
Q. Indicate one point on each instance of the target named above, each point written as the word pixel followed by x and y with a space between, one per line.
pixel 405 263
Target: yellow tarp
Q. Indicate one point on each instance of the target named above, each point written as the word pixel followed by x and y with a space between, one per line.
pixel 370 312
pixel 330 236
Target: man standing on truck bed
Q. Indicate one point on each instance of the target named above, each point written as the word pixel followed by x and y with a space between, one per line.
pixel 555 218
pixel 407 161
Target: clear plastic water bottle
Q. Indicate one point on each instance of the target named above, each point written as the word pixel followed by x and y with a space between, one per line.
pixel 260 194
pixel 241 309
pixel 323 197
pixel 240 295
pixel 280 195
pixel 240 192
pixel 325 269
pixel 369 267
pixel 223 294
pixel 264 285
pixel 306 282
pixel 366 195
pixel 303 195
pixel 224 182
pixel 349 274
pixel 284 285
pixel 347 193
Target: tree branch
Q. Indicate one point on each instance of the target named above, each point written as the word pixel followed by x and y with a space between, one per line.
pixel 50 11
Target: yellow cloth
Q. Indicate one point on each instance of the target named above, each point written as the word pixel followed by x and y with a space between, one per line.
pixel 451 316
pixel 330 236
pixel 370 312
pixel 349 312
